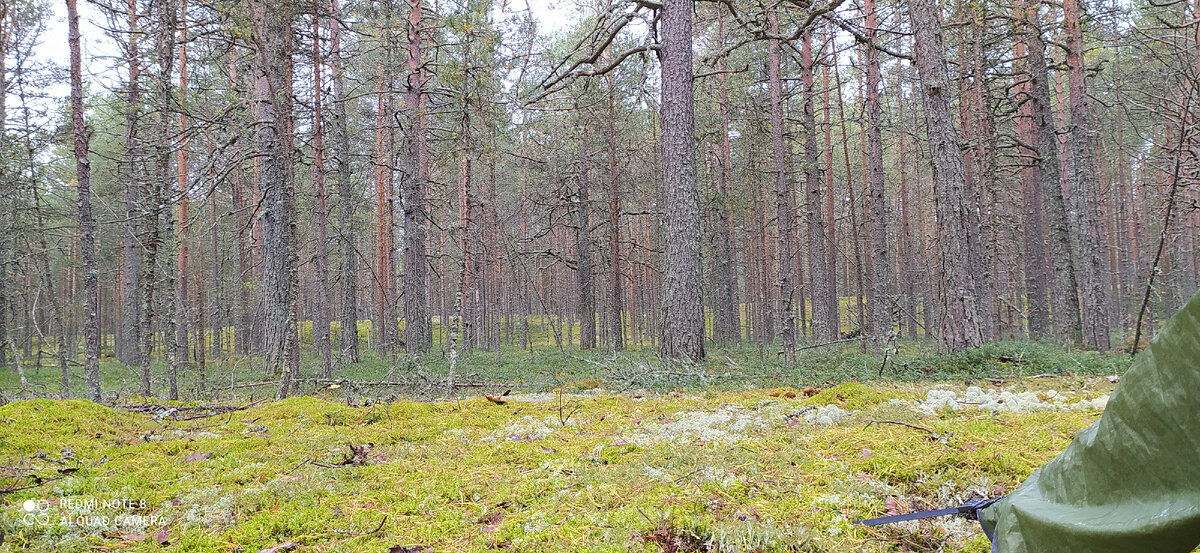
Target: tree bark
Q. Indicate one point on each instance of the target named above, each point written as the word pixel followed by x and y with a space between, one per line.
pixel 960 323
pixel 151 238
pixel 321 314
pixel 683 316
pixel 879 323
pixel 727 312
pixel 272 30
pixel 418 328
pixel 345 227
pixel 1064 307
pixel 583 258
pixel 784 196
pixel 832 331
pixel 384 274
pixel 182 299
pixel 1032 202
pixel 615 317
pixel 58 327
pixel 158 230
pixel 87 223
pixel 7 246
pixel 1084 185
pixel 852 208
pixel 244 323
pixel 976 133
pixel 129 343
pixel 825 323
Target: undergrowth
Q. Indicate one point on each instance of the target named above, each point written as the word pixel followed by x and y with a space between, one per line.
pixel 234 378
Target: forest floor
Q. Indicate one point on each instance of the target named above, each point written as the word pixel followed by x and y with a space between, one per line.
pixel 725 465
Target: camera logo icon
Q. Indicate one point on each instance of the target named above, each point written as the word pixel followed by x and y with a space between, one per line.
pixel 37 512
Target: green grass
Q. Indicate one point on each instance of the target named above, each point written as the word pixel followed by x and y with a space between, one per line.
pixel 598 471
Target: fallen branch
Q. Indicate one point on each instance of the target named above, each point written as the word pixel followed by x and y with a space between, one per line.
pixel 377 529
pixel 382 383
pixel 328 466
pixel 38 482
pixel 187 412
pixel 297 467
pixel 842 341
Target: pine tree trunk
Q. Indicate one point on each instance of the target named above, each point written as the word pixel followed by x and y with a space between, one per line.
pixel 852 208
pixel 182 299
pixel 345 227
pixel 683 315
pixel 321 314
pixel 727 312
pixel 616 327
pixel 1032 202
pixel 960 323
pixel 824 300
pixel 974 134
pixel 583 259
pixel 830 297
pixel 150 241
pixel 7 242
pixel 1084 185
pixel 1064 305
pixel 384 324
pixel 527 282
pixel 129 344
pixel 218 295
pixel 879 323
pixel 272 29
pixel 418 329
pixel 784 208
pixel 87 223
pixel 911 247
pixel 57 326
pixel 160 213
pixel 460 317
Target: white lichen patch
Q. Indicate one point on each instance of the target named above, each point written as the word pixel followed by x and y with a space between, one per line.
pixel 718 476
pixel 828 415
pixel 549 397
pixel 205 507
pixel 1005 401
pixel 191 435
pixel 527 429
pixel 728 424
pixel 655 473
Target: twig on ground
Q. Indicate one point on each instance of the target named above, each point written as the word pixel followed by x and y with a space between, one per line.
pixel 297 467
pixel 37 483
pixel 377 529
pixel 815 346
pixel 187 412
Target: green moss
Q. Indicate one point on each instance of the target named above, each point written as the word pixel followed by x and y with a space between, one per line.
pixel 854 396
pixel 470 475
pixel 77 425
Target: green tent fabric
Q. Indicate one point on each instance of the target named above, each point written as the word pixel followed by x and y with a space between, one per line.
pixel 1131 481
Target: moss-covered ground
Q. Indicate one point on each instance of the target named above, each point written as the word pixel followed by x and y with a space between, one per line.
pixel 564 468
